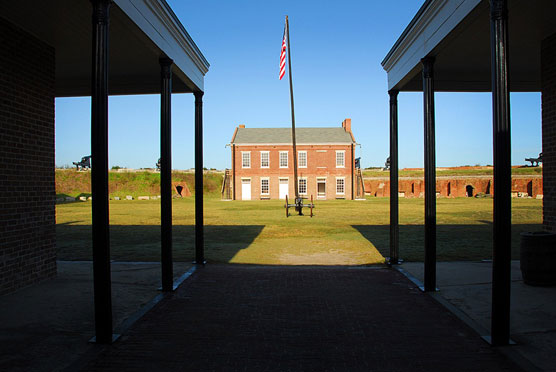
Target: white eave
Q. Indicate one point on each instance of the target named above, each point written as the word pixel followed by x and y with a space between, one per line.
pixel 141 32
pixel 157 20
pixel 457 34
pixel 432 23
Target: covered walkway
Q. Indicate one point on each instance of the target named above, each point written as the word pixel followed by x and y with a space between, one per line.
pixel 253 318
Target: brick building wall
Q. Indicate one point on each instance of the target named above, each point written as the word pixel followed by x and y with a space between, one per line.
pixel 548 77
pixel 27 186
pixel 321 166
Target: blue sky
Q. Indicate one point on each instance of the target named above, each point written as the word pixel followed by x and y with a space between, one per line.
pixel 336 51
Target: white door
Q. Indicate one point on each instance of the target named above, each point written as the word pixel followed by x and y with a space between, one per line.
pixel 245 189
pixel 283 188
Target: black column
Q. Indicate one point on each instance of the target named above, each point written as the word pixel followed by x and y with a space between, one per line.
pixel 430 175
pixel 199 224
pixel 99 172
pixel 166 173
pixel 394 201
pixel 501 254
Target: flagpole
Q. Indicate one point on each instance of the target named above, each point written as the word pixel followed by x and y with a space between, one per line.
pixel 293 112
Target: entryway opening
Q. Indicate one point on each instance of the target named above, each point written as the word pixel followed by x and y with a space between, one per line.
pixel 469 191
pixel 321 188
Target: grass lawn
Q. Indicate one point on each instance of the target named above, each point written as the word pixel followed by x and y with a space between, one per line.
pixel 257 232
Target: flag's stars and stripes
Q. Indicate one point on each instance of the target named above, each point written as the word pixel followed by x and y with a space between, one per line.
pixel 283 56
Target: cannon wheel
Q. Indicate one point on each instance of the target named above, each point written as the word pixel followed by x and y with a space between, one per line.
pixel 287 207
pixel 311 206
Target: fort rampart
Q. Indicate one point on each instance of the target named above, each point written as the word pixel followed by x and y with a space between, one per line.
pixel 454 186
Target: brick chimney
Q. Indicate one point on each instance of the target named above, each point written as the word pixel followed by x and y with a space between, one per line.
pixel 242 126
pixel 346 124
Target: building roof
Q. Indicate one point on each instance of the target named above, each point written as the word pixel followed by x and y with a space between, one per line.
pixel 141 31
pixel 457 34
pixel 284 136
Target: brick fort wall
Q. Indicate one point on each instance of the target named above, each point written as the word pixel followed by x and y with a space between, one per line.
pixel 27 186
pixel 454 186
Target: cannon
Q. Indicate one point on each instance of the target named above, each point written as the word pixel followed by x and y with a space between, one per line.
pixel 387 164
pixel 299 205
pixel 158 165
pixel 535 161
pixel 84 163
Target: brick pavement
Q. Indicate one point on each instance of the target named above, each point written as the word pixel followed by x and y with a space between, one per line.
pixel 253 318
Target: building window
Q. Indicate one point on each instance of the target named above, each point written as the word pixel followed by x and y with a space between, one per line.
pixel 283 159
pixel 302 159
pixel 340 186
pixel 340 159
pixel 246 159
pixel 265 186
pixel 265 159
pixel 302 186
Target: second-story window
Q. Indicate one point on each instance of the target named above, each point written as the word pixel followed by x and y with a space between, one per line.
pixel 246 159
pixel 302 159
pixel 283 159
pixel 265 162
pixel 340 159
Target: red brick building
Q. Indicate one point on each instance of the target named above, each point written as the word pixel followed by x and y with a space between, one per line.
pixel 262 163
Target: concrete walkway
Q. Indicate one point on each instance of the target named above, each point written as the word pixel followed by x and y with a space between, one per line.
pixel 253 318
pixel 467 287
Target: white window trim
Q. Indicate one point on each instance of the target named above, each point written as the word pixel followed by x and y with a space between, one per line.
pixel 280 159
pixel 306 160
pixel 261 183
pixel 340 178
pixel 261 153
pixel 306 185
pixel 336 160
pixel 242 165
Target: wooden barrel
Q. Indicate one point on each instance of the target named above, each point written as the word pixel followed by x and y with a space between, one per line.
pixel 538 258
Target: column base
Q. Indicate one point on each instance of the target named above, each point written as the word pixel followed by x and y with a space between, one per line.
pixel 389 261
pixel 115 337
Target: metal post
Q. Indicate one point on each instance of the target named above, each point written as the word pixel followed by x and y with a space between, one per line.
pixel 430 175
pixel 199 224
pixel 394 202
pixel 99 171
pixel 166 174
pixel 295 181
pixel 501 253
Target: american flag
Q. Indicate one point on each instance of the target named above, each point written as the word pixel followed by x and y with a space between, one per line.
pixel 283 56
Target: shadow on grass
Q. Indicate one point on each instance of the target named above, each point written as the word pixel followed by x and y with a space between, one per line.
pixel 142 242
pixel 453 242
